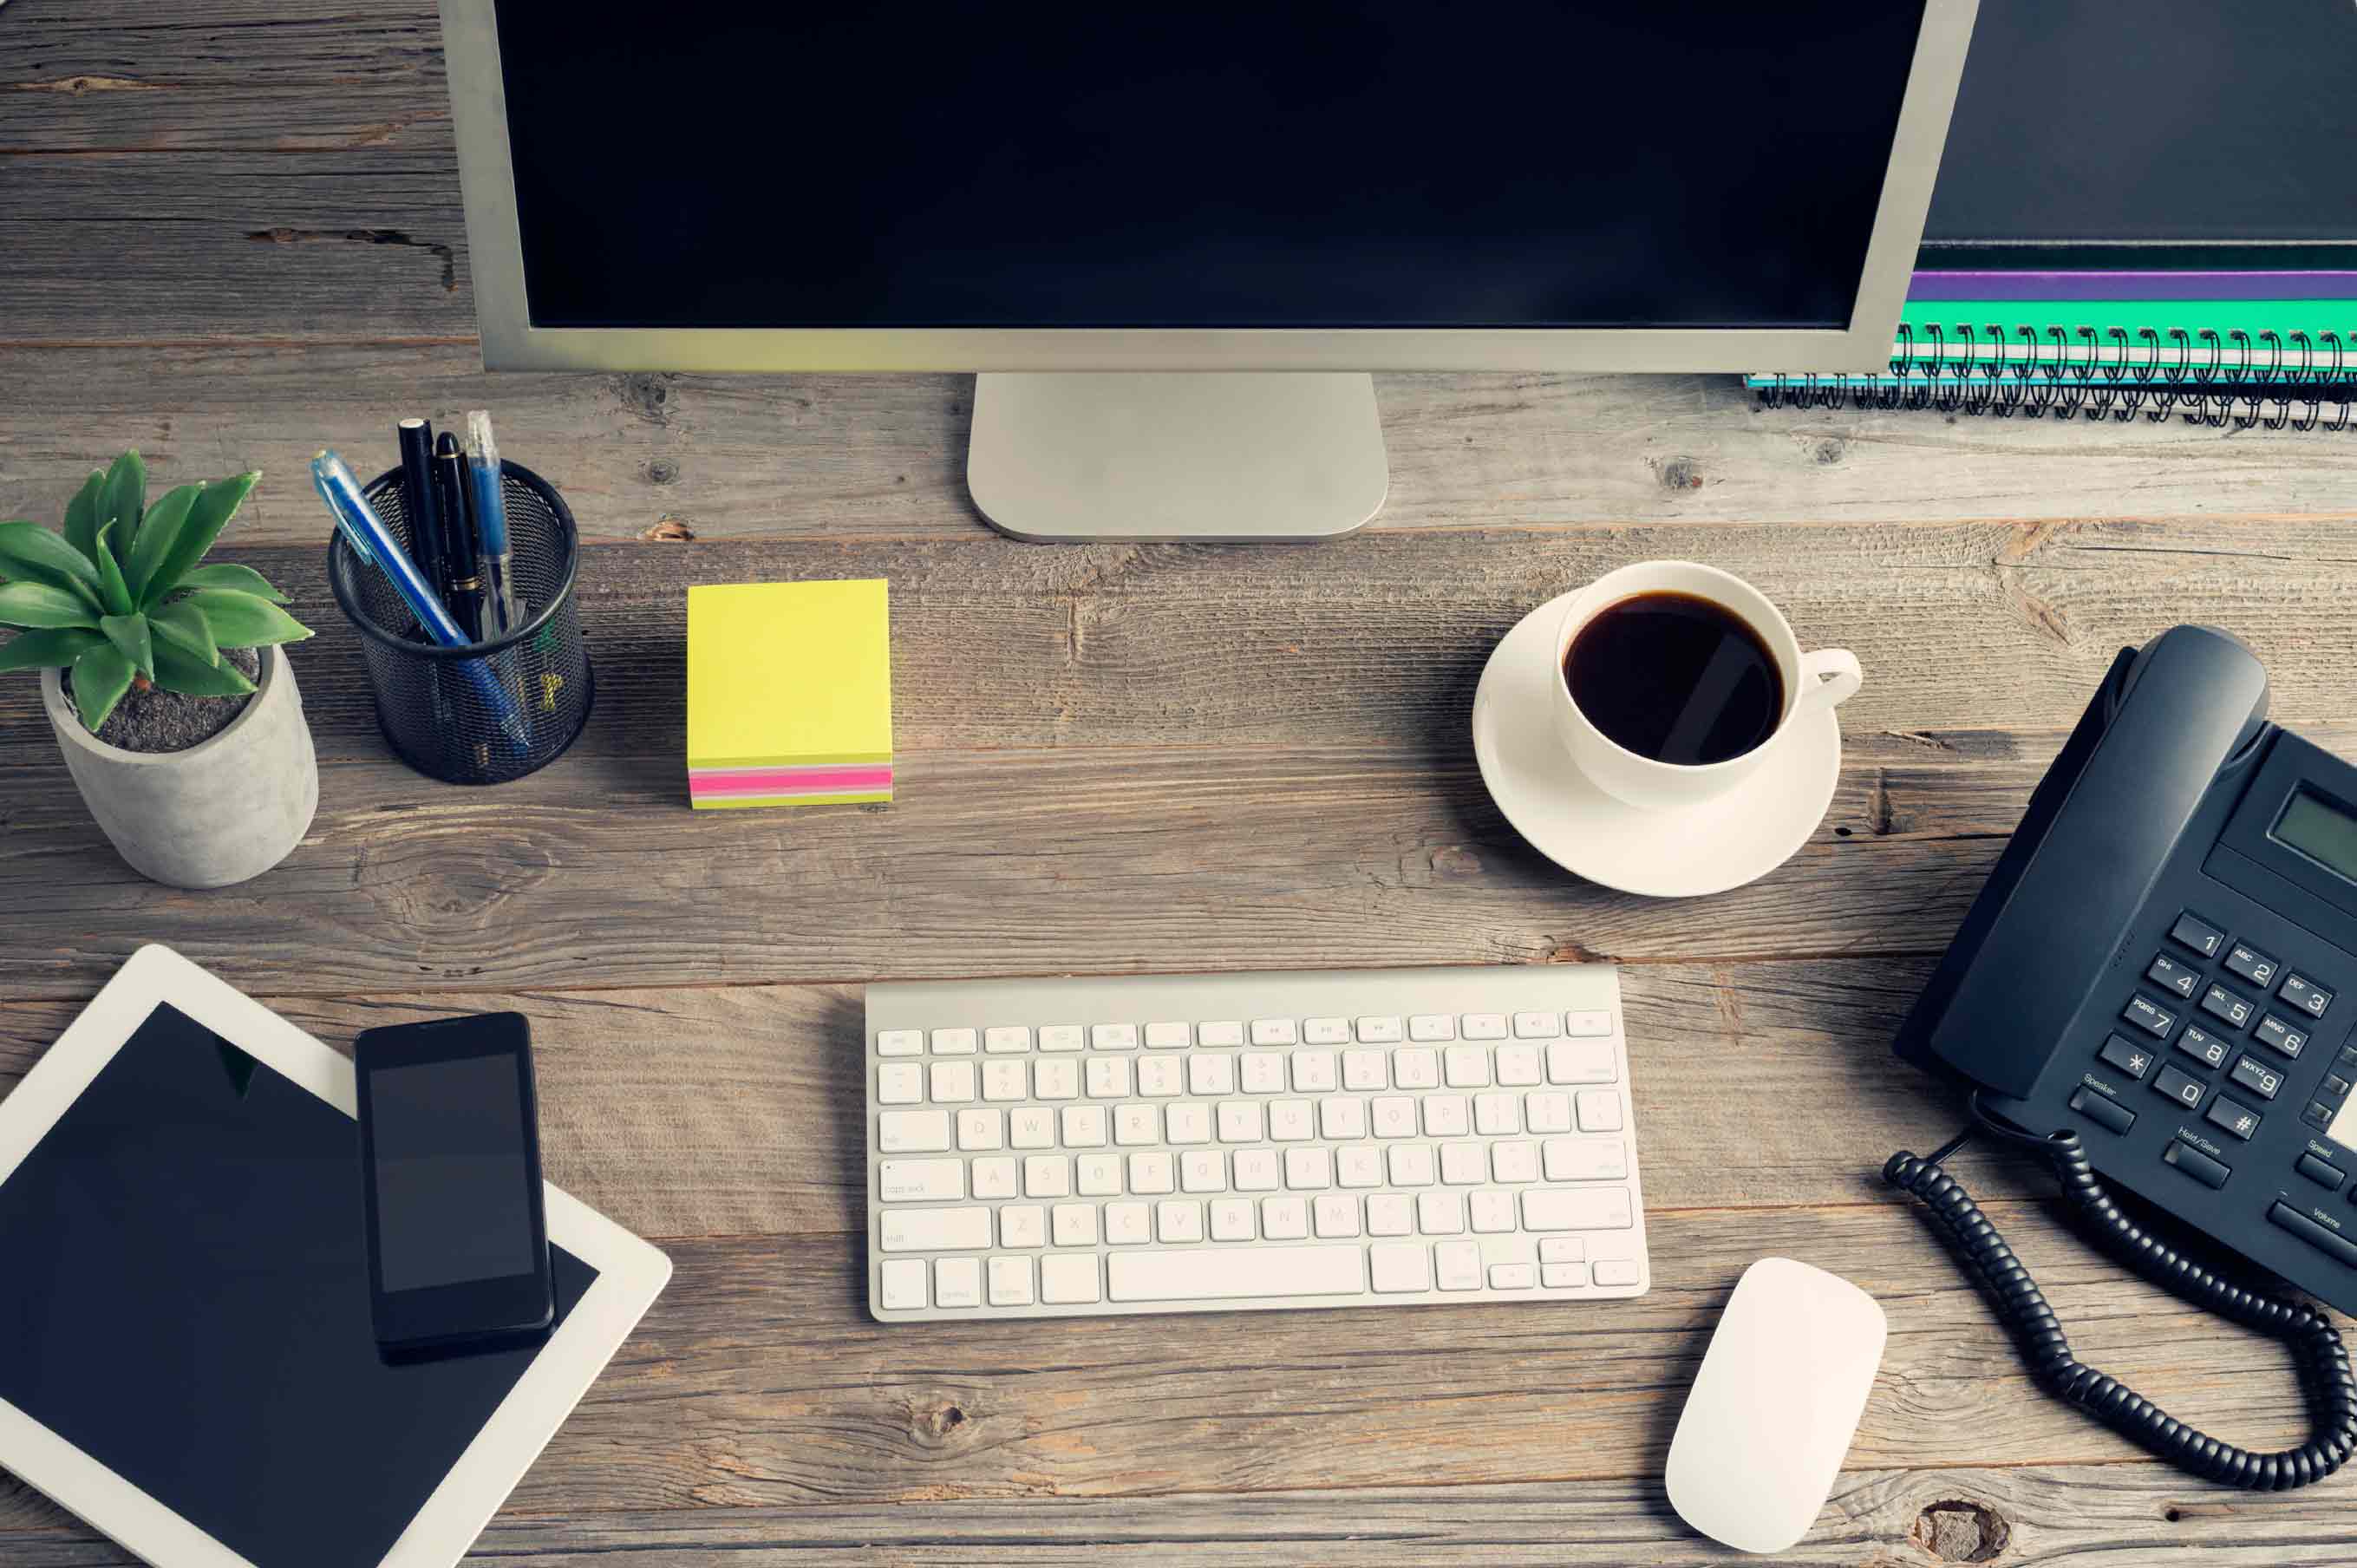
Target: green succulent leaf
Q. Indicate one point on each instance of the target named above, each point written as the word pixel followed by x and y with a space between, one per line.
pixel 185 673
pixel 44 605
pixel 50 650
pixel 123 501
pixel 214 506
pixel 183 625
pixel 158 533
pixel 129 633
pixel 82 516
pixel 100 676
pixel 113 595
pixel 31 553
pixel 245 620
pixel 228 575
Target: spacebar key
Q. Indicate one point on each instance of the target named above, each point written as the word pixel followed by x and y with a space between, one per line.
pixel 1226 1274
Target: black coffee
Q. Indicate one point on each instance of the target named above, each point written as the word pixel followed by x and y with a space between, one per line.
pixel 1675 678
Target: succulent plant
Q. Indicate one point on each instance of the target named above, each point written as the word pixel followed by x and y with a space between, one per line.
pixel 119 597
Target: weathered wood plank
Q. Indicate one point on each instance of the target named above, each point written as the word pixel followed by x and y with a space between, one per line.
pixel 2129 1514
pixel 735 1110
pixel 117 76
pixel 1381 640
pixel 829 455
pixel 758 1381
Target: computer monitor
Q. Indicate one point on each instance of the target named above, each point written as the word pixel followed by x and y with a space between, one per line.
pixel 1079 200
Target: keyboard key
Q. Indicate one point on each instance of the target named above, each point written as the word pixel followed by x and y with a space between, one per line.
pixel 1564 1276
pixel 1097 1176
pixel 1285 1219
pixel 2239 1120
pixel 1308 1168
pixel 1537 1025
pixel 1169 1036
pixel 1379 1031
pixel 1113 1037
pixel 1484 1026
pixel 2251 964
pixel 1360 1165
pixel 1074 1224
pixel 1517 1160
pixel 1259 1170
pixel 1334 1215
pixel 1446 1116
pixel 1497 1115
pixel 1055 1079
pixel 1231 1219
pixel 1577 1209
pixel 1417 1067
pixel 1225 1033
pixel 1514 1276
pixel 1548 1112
pixel 1466 1066
pixel 2150 1015
pixel 1586 1159
pixel 981 1130
pixel 1341 1116
pixel 2202 1046
pixel 952 1082
pixel 1108 1078
pixel 1563 1249
pixel 1399 1268
pixel 1070 1278
pixel 1153 1173
pixel 1581 1061
pixel 1411 1164
pixel 1177 1220
pixel 904 1285
pixel 1519 1066
pixel 1228 1276
pixel 1364 1071
pixel 1263 1072
pixel 1457 1265
pixel 1007 1037
pixel 934 1230
pixel 1391 1214
pixel 1005 1080
pixel 2277 1034
pixel 1010 1282
pixel 1395 1116
pixel 1600 1109
pixel 2257 1077
pixel 1203 1170
pixel 2125 1054
pixel 912 1131
pixel 901 1042
pixel 1128 1224
pixel 957 1282
pixel 1061 1038
pixel 1187 1121
pixel 1274 1032
pixel 1240 1122
pixel 1314 1072
pixel 1084 1127
pixel 1046 1176
pixel 1616 1271
pixel 993 1177
pixel 2191 930
pixel 1209 1074
pixel 921 1181
pixel 1325 1031
pixel 1160 1077
pixel 1135 1123
pixel 2181 980
pixel 1583 1026
pixel 2186 1092
pixel 953 1042
pixel 1290 1121
pixel 2222 1005
pixel 1464 1164
pixel 1440 1213
pixel 899 1083
pixel 2306 994
pixel 1430 1027
pixel 1493 1211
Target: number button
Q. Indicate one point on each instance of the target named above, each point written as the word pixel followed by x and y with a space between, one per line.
pixel 2202 1046
pixel 2150 1016
pixel 2306 994
pixel 2252 965
pixel 2274 1032
pixel 2125 1054
pixel 2186 1092
pixel 2239 1120
pixel 2191 930
pixel 2226 1007
pixel 2257 1077
pixel 2173 976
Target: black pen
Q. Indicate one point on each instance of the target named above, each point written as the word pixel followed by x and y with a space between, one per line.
pixel 418 504
pixel 462 591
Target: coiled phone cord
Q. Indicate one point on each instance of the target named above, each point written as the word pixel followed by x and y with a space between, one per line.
pixel 2314 1342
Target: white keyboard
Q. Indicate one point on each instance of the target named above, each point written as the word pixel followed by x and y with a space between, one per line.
pixel 1060 1148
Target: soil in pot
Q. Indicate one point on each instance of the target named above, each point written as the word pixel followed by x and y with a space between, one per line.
pixel 156 720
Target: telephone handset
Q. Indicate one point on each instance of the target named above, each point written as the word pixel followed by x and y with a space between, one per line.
pixel 2157 984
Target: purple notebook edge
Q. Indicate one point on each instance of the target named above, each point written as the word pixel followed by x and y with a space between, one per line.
pixel 1955 285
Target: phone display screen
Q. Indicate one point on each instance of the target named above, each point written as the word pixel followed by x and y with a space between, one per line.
pixel 453 1185
pixel 2321 830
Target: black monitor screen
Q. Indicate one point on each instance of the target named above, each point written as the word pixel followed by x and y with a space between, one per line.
pixel 1348 163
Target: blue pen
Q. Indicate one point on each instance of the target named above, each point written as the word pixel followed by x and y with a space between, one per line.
pixel 501 612
pixel 372 541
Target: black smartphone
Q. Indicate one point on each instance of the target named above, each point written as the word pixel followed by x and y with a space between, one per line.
pixel 457 1242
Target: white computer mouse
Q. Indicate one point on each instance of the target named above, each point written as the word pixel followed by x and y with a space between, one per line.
pixel 1773 1409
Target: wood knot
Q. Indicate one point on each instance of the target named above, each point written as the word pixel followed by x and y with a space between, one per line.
pixel 934 1420
pixel 1680 474
pixel 1829 450
pixel 662 471
pixel 1956 1531
pixel 1455 863
pixel 648 396
pixel 667 527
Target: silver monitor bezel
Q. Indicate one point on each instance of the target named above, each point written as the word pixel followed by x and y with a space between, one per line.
pixel 510 342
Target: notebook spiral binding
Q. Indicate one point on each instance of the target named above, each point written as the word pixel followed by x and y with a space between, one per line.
pixel 2302 382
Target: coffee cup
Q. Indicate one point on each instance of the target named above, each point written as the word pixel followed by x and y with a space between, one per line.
pixel 1672 777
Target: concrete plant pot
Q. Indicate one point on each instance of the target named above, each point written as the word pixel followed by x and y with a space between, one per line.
pixel 228 808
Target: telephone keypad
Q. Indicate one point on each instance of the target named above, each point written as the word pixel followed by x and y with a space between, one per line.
pixel 2252 965
pixel 2239 1120
pixel 2191 930
pixel 2183 979
pixel 2273 1031
pixel 2202 1046
pixel 2306 994
pixel 2183 1088
pixel 2226 1007
pixel 2125 1054
pixel 2150 1016
pixel 2257 1077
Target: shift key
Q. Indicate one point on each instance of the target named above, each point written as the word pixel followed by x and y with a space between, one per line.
pixel 935 1229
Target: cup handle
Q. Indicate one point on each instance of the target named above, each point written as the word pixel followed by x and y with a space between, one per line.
pixel 1829 677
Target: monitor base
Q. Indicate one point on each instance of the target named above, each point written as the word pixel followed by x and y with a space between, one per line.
pixel 1069 457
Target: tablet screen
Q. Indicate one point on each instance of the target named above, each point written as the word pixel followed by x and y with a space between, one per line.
pixel 186 1301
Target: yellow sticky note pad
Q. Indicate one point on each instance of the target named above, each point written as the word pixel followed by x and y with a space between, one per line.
pixel 788 694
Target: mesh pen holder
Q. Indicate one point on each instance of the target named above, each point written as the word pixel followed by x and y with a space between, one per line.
pixel 492 710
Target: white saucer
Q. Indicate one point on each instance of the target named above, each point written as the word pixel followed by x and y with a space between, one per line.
pixel 1740 837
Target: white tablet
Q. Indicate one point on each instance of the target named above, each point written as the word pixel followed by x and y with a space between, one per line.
pixel 187 1360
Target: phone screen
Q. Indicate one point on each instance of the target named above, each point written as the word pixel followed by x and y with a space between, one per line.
pixel 453 1184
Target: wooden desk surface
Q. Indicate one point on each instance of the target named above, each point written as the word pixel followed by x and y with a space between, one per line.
pixel 231 235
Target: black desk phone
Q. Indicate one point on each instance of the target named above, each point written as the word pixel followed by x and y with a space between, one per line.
pixel 2159 983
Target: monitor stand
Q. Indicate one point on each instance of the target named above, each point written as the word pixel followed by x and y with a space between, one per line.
pixel 1067 456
